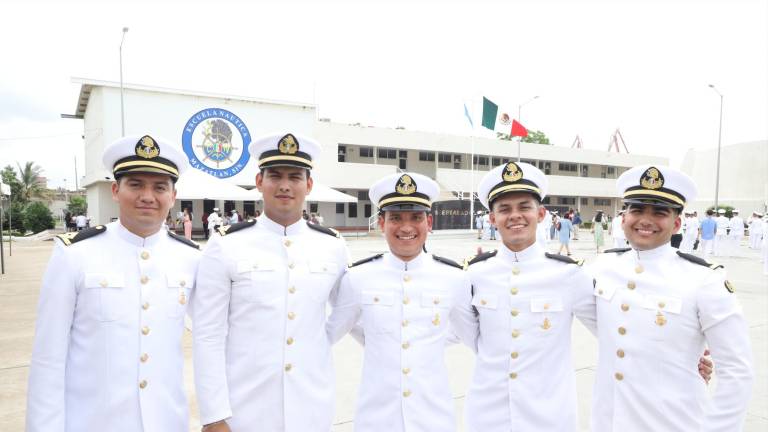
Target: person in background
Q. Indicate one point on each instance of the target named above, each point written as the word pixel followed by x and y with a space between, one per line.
pixel 597 230
pixel 619 240
pixel 479 224
pixel 205 224
pixel 736 232
pixel 755 230
pixel 564 234
pixel 576 225
pixel 234 218
pixel 708 232
pixel 721 235
pixel 214 221
pixel 187 218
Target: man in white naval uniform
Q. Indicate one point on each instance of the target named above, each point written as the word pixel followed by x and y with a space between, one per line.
pixel 107 352
pixel 691 232
pixel 721 235
pixel 405 300
pixel 755 230
pixel 525 300
pixel 616 232
pixel 736 232
pixel 657 309
pixel 262 358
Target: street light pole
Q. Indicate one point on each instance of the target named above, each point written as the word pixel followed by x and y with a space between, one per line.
pixel 719 141
pixel 122 106
pixel 520 119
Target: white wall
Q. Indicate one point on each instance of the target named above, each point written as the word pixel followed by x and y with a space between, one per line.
pixel 743 176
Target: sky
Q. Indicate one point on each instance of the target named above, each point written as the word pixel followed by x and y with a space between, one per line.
pixel 640 66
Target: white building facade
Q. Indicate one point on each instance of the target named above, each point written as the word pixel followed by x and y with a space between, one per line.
pixel 743 182
pixel 353 156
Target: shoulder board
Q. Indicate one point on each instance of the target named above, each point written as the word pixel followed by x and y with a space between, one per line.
pixel 447 261
pixel 229 229
pixel 696 260
pixel 481 257
pixel 617 250
pixel 324 230
pixel 71 238
pixel 365 260
pixel 563 258
pixel 183 239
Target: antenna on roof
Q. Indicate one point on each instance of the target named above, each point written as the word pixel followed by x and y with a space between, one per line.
pixel 614 142
pixel 577 143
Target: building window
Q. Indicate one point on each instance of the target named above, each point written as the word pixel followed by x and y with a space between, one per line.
pixel 480 160
pixel 444 157
pixel 571 167
pixel 566 200
pixel 546 200
pixel 546 167
pixel 362 195
pixel 313 207
pixel 352 210
pixel 496 161
pixel 611 170
pixel 339 208
pixel 366 152
pixel 367 210
pixel 386 153
pixel 457 161
pixel 342 153
pixel 585 201
pixel 426 156
pixel 585 170
pixel 602 201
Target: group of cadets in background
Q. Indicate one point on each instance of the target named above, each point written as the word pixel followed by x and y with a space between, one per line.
pixel 107 352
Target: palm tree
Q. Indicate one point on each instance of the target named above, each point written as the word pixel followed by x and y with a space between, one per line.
pixel 29 180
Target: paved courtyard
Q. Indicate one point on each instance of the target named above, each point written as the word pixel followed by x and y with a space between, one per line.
pixel 20 285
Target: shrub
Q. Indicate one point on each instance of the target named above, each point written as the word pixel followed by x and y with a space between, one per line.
pixel 38 218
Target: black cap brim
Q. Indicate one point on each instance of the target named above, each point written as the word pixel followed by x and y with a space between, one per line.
pixel 410 207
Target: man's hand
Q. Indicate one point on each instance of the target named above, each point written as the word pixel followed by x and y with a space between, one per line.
pixel 219 426
pixel 705 366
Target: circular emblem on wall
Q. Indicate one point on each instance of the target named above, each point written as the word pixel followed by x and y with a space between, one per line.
pixel 216 142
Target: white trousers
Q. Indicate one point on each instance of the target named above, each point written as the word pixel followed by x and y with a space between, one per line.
pixel 707 246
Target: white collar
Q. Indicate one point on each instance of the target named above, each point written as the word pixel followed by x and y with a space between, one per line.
pixel 391 260
pixel 138 241
pixel 293 229
pixel 531 252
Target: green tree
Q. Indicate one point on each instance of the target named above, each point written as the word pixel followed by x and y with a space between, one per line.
pixel 38 218
pixel 29 179
pixel 8 175
pixel 728 209
pixel 534 136
pixel 14 211
pixel 77 205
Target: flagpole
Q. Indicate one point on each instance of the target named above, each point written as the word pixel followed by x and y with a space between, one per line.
pixel 472 178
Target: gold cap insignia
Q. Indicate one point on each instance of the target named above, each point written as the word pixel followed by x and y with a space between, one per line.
pixel 512 172
pixel 405 185
pixel 652 179
pixel 147 148
pixel 288 145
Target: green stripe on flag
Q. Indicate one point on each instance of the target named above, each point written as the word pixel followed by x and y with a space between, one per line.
pixel 490 110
